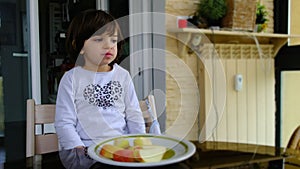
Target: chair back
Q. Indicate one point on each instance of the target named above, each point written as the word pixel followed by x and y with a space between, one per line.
pixel 148 108
pixel 39 115
pixel 294 142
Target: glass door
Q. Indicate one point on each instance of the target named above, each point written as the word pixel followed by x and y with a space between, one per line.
pixel 14 78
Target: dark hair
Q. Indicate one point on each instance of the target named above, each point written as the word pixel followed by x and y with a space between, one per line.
pixel 86 24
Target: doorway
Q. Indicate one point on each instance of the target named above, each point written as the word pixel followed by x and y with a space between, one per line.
pixel 55 17
pixel 14 77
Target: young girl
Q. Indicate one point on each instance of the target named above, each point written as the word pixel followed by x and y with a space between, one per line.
pixel 96 99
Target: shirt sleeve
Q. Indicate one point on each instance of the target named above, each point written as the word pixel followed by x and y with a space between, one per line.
pixel 133 113
pixel 65 117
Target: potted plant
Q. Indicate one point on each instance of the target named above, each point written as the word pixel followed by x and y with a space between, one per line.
pixel 212 11
pixel 261 17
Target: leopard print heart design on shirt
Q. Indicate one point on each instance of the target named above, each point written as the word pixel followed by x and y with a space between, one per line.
pixel 103 96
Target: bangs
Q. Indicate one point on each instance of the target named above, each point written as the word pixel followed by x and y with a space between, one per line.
pixel 110 29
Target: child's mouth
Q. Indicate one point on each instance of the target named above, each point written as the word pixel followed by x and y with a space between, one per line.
pixel 108 54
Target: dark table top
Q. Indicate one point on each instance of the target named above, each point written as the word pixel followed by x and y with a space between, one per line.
pixel 208 155
pixel 226 155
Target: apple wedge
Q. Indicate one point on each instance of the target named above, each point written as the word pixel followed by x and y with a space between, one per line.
pixel 150 153
pixel 108 150
pixel 125 155
pixel 142 141
pixel 121 142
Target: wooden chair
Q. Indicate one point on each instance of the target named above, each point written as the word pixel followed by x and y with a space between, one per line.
pixel 45 113
pixel 40 115
pixel 41 143
pixel 293 149
pixel 149 113
pixel 294 142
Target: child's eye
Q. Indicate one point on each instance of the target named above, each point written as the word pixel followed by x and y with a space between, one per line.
pixel 98 39
pixel 114 40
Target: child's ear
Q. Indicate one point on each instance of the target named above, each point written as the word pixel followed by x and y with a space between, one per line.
pixel 82 52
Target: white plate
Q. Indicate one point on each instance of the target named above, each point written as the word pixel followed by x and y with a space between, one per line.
pixel 183 149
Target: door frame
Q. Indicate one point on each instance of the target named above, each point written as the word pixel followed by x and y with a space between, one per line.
pixel 34 52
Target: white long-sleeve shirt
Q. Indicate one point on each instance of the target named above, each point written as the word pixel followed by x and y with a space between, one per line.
pixel 92 106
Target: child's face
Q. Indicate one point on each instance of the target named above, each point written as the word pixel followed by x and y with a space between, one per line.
pixel 100 50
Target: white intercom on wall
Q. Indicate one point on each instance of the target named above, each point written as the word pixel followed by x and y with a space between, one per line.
pixel 238 80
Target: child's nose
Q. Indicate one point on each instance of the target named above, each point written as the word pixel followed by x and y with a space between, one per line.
pixel 108 44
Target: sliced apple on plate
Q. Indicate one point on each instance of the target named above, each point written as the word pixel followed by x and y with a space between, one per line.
pixel 150 153
pixel 125 155
pixel 108 150
pixel 142 141
pixel 121 142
